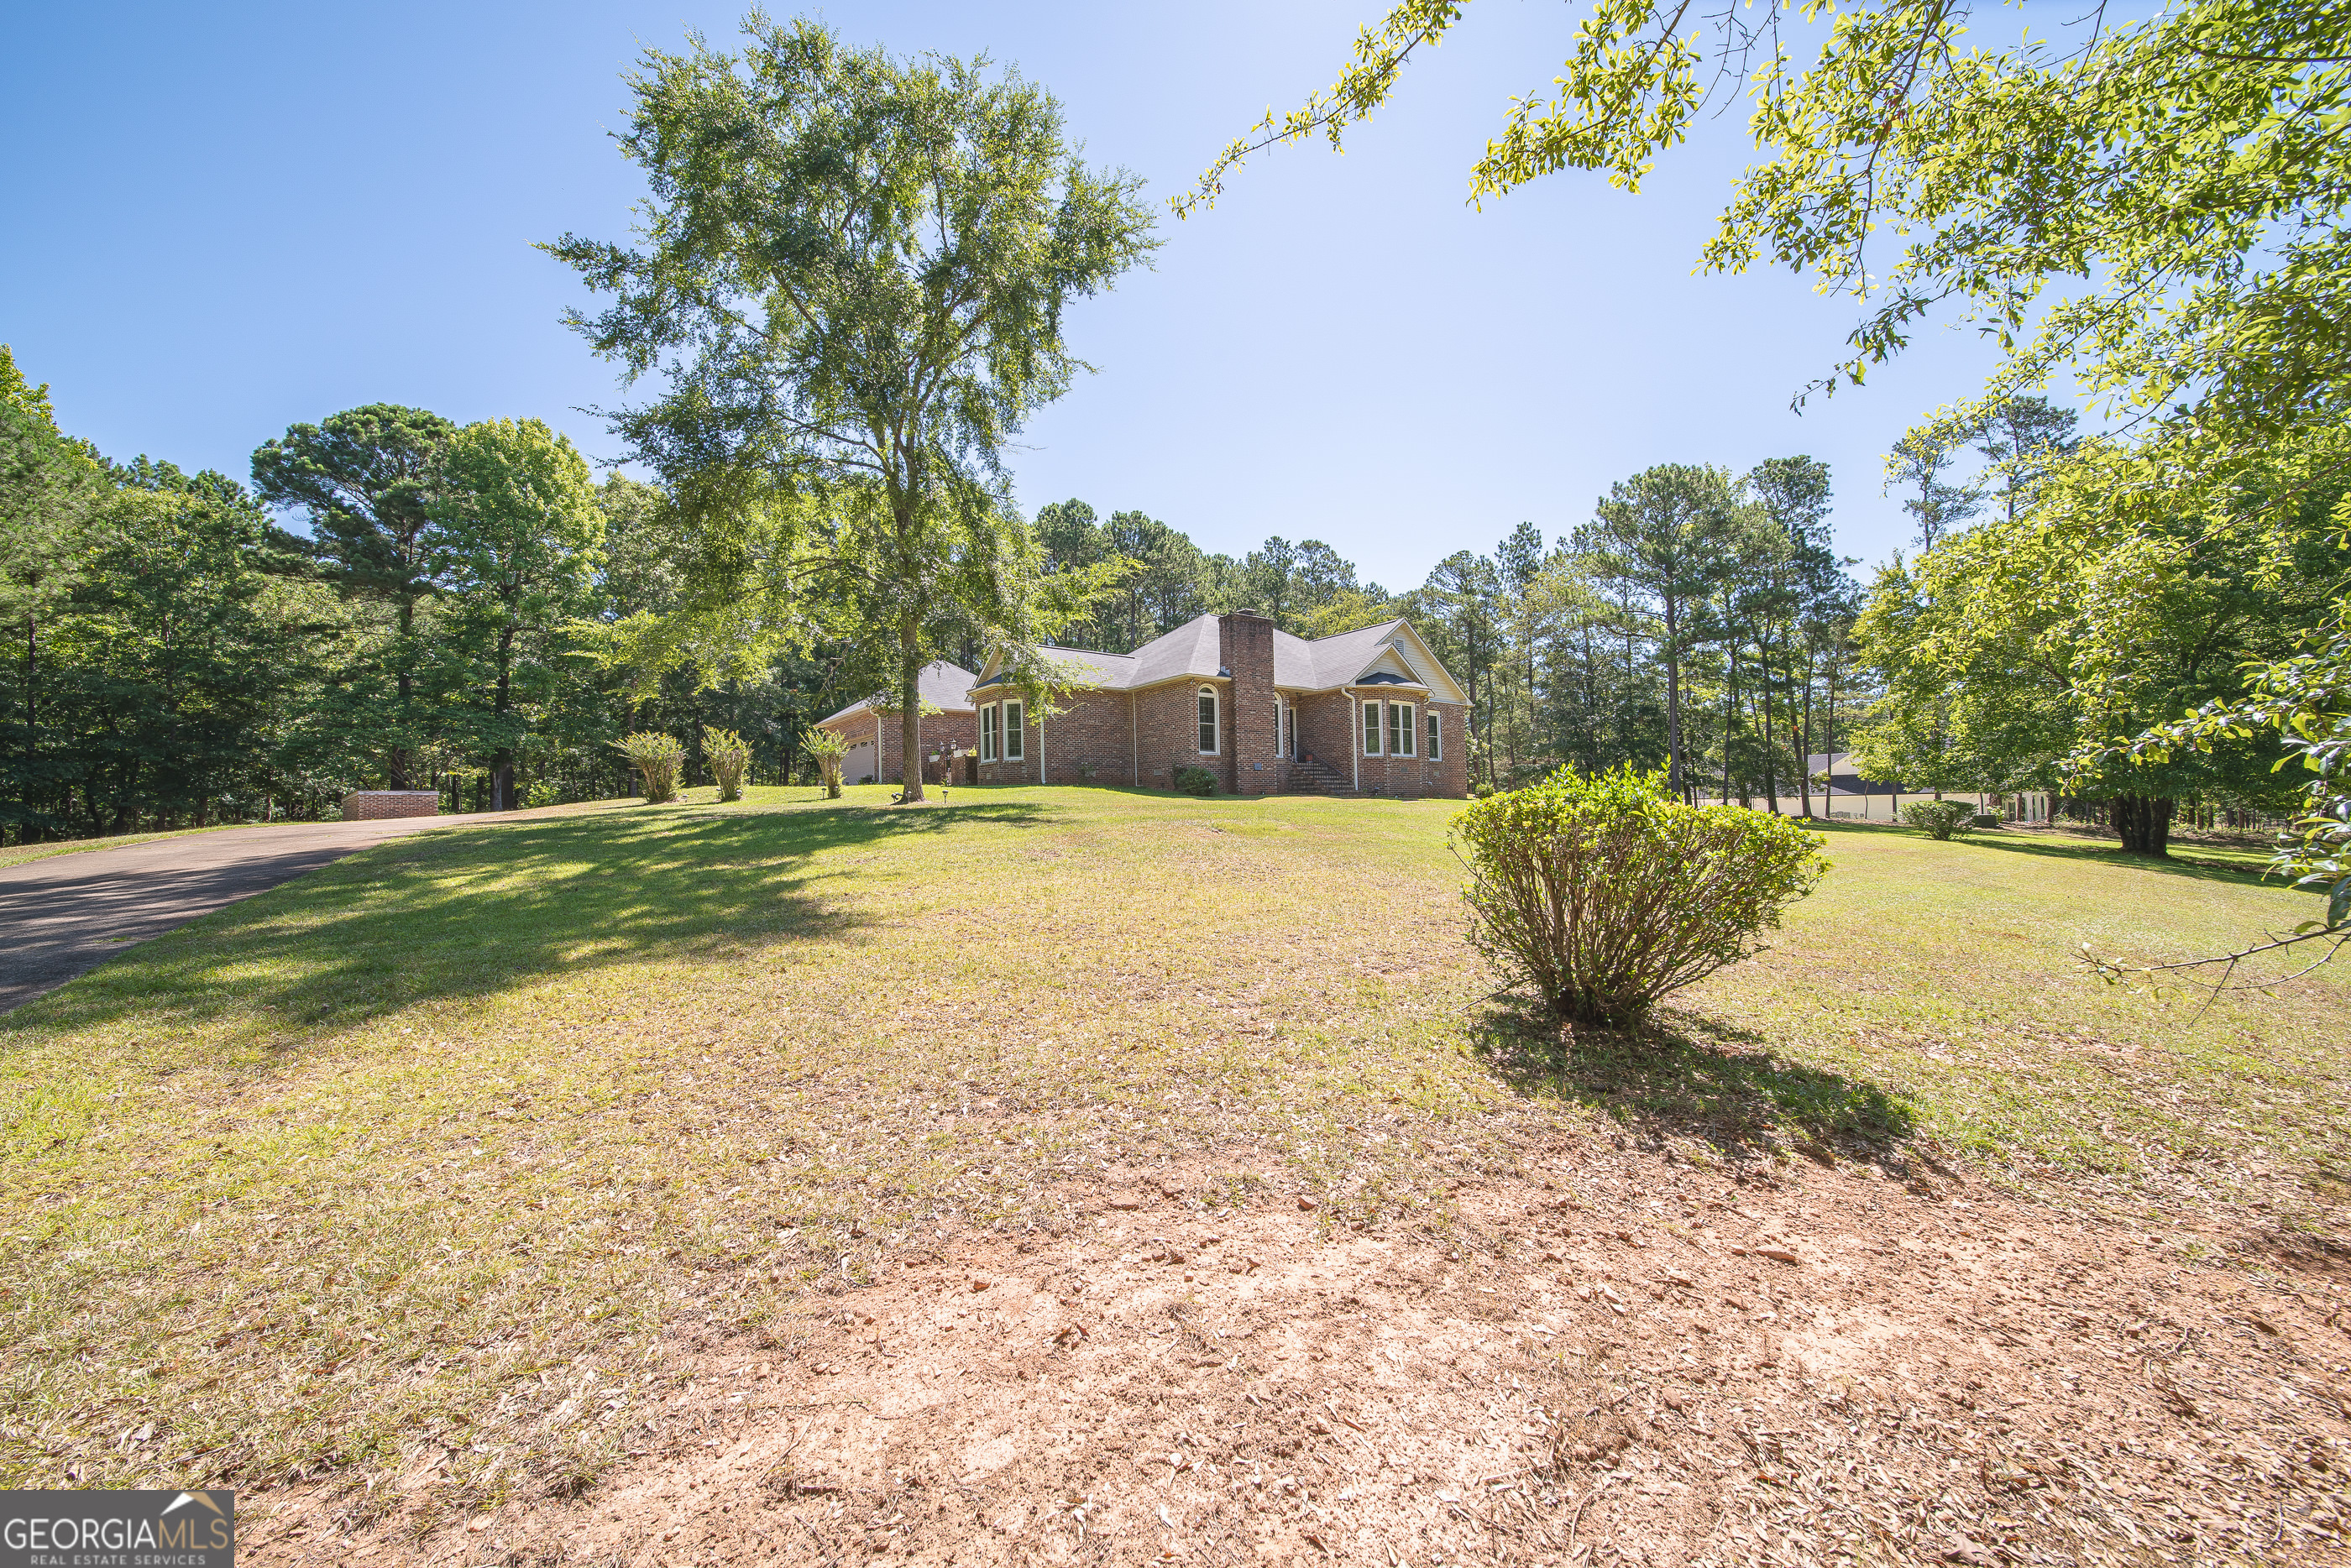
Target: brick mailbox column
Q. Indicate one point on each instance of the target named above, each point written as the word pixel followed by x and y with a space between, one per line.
pixel 377 804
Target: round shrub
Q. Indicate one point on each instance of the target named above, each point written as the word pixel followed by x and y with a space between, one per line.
pixel 1196 781
pixel 1941 818
pixel 1605 893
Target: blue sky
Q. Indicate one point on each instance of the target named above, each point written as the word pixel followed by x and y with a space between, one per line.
pixel 222 221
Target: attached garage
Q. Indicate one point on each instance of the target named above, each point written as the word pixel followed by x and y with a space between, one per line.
pixel 874 738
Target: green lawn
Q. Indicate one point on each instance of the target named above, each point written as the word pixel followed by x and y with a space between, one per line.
pixel 441 1140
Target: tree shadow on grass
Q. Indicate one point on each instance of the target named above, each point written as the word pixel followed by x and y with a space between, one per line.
pixel 466 913
pixel 2183 861
pixel 1680 1076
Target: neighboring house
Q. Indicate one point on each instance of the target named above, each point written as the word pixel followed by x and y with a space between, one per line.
pixel 1849 795
pixel 873 737
pixel 1369 711
pixel 1835 770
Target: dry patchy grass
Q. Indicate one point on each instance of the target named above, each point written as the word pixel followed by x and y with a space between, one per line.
pixel 427 1153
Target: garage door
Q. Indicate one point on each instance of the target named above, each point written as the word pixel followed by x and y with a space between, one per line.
pixel 857 767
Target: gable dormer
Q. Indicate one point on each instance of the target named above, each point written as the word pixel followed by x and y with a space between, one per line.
pixel 1390 667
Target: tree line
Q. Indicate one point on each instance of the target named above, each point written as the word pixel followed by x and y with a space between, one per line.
pixel 182 656
pixel 397 601
pixel 1700 623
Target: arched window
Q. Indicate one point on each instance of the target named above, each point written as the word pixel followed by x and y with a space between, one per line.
pixel 1211 738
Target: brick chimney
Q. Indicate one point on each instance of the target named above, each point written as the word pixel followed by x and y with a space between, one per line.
pixel 1252 719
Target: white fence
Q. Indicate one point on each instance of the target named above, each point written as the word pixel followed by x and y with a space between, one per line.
pixel 2031 807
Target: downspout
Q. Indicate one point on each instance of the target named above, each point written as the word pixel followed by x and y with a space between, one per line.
pixel 877 746
pixel 1356 736
pixel 1133 752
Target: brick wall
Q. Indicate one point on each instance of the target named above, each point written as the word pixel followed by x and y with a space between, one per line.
pixel 1167 726
pixel 1322 732
pixel 940 731
pixel 1329 731
pixel 1023 769
pixel 1125 738
pixel 1146 737
pixel 380 805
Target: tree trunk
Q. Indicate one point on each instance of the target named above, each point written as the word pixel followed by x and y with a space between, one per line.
pixel 1804 745
pixel 1771 763
pixel 910 712
pixel 396 759
pixel 1730 720
pixel 1674 701
pixel 2144 823
pixel 26 832
pixel 502 760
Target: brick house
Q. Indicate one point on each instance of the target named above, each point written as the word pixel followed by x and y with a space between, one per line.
pixel 1368 711
pixel 873 737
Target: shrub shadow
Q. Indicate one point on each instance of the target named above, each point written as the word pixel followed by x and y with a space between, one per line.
pixel 467 912
pixel 1680 1076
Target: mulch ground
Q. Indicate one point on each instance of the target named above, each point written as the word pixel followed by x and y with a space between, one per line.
pixel 1611 1357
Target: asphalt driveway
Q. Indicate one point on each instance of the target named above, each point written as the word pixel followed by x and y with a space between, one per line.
pixel 68 913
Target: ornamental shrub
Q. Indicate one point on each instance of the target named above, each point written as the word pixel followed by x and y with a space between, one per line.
pixel 1196 781
pixel 1605 893
pixel 729 755
pixel 1941 818
pixel 828 749
pixel 659 758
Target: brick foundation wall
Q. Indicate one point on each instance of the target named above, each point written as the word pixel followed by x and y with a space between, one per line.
pixel 380 805
pixel 940 731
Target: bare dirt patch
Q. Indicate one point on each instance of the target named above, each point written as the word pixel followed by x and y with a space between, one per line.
pixel 1614 1356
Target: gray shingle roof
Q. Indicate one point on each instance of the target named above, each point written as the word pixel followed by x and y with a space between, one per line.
pixel 1191 651
pixel 948 686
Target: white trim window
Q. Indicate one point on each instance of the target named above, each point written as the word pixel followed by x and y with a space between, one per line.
pixel 1436 737
pixel 1016 736
pixel 1371 729
pixel 1399 729
pixel 1212 730
pixel 988 733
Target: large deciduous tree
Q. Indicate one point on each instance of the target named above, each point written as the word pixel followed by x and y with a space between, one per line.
pixel 520 536
pixel 364 480
pixel 852 282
